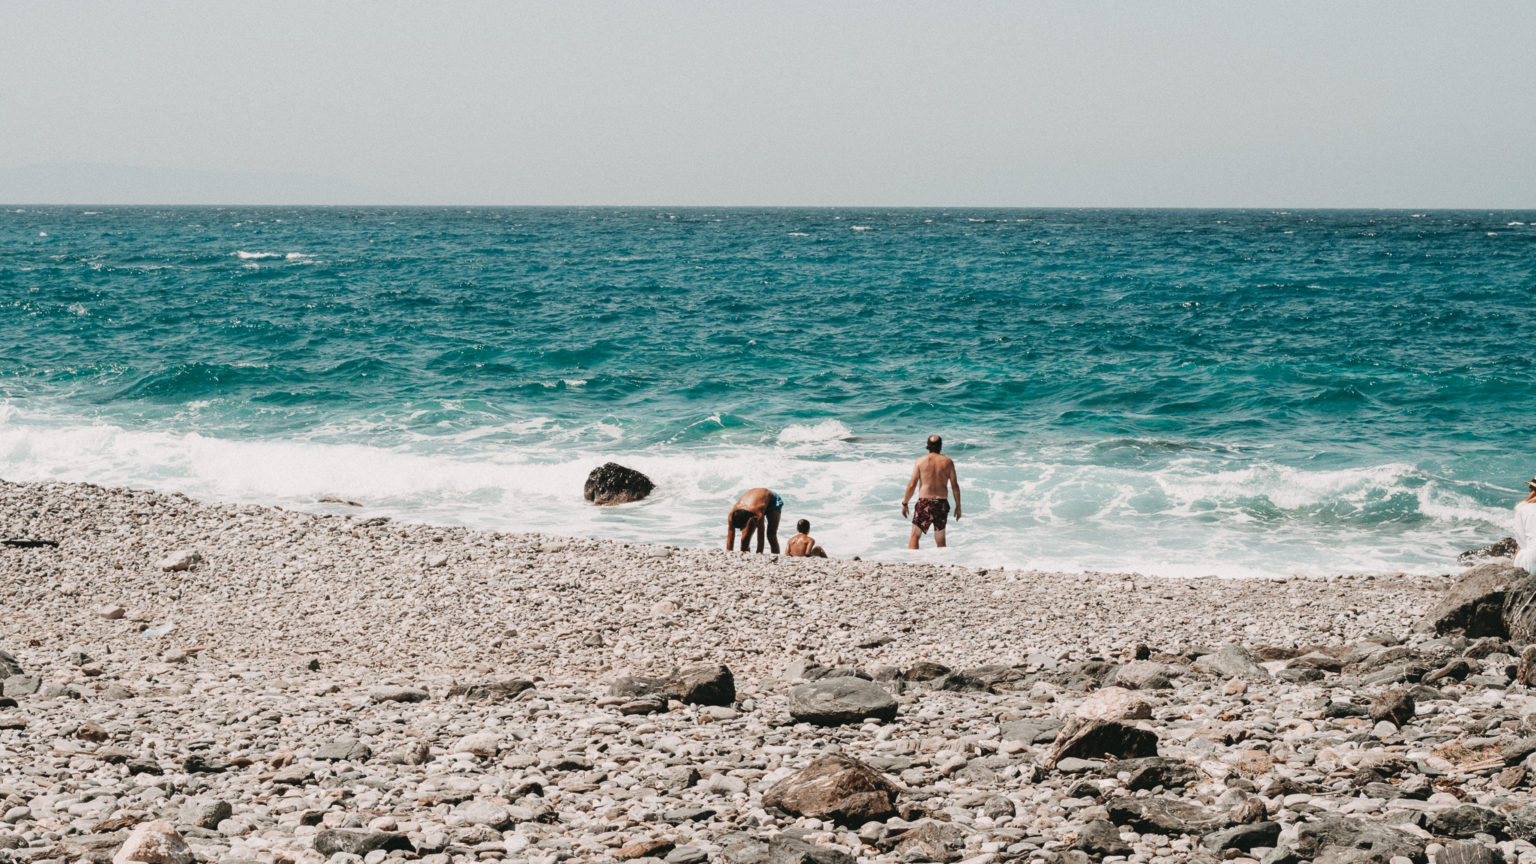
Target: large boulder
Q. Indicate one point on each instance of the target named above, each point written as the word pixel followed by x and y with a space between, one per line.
pixel 612 483
pixel 1166 816
pixel 154 842
pixel 1100 838
pixel 1475 605
pixel 1520 609
pixel 778 849
pixel 1500 549
pixel 838 788
pixel 489 691
pixel 1337 834
pixel 1231 661
pixel 332 840
pixel 1114 703
pixel 1466 820
pixel 835 701
pixel 1144 675
pixel 1097 739
pixel 703 685
pixel 1156 771
pixel 8 665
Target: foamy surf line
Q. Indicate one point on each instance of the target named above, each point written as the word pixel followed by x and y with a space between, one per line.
pixel 1188 520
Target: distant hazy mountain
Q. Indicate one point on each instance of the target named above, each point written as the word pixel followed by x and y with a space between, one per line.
pixel 78 183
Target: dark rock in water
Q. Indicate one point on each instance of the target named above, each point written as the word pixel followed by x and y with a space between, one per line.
pixel 1475 605
pixel 779 849
pixel 924 670
pixel 1394 705
pixel 835 787
pixel 1243 837
pixel 334 840
pixel 1466 820
pixel 1100 838
pixel 489 691
pixel 1520 609
pixel 1158 771
pixel 1469 852
pixel 1330 837
pixel 1499 549
pixel 612 483
pixel 835 701
pixel 703 685
pixel 1165 816
pixel 1099 739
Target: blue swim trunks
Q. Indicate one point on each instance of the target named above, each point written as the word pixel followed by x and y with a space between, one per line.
pixel 778 504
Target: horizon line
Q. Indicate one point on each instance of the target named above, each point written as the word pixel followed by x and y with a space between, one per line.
pixel 1313 208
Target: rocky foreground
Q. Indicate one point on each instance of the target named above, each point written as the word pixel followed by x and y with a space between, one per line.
pixel 185 681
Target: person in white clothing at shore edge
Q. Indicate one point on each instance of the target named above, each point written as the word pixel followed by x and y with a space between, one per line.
pixel 1525 529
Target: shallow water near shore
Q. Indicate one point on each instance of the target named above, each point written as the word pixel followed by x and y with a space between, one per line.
pixel 1171 392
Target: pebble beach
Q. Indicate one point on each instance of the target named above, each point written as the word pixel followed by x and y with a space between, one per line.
pixel 233 683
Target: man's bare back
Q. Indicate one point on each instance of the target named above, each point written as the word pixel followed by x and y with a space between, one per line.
pixel 934 474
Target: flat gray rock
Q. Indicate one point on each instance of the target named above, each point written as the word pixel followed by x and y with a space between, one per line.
pixel 835 701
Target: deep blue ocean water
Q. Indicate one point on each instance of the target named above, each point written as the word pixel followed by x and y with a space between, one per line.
pixel 1178 392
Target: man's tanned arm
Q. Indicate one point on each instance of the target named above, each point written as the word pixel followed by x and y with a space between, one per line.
pixel 911 486
pixel 954 482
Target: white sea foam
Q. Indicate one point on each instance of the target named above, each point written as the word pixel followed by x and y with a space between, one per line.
pixel 862 227
pixel 826 430
pixel 256 256
pixel 1191 516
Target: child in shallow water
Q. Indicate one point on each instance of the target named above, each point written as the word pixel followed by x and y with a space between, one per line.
pixel 802 545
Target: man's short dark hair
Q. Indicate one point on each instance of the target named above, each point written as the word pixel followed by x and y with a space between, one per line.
pixel 935 443
pixel 803 526
pixel 740 518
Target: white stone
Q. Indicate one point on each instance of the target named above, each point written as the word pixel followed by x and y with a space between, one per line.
pixel 479 744
pixel 154 842
pixel 181 559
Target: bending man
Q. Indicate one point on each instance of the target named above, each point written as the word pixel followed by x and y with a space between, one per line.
pixel 936 474
pixel 757 510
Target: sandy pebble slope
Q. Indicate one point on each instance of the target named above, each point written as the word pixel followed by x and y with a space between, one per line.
pixel 208 684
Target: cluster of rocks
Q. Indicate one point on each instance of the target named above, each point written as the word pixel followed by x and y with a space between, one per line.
pixel 297 689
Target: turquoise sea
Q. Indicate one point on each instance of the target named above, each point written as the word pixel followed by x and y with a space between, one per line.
pixel 1178 392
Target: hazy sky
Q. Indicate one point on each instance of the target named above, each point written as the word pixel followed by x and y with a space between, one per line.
pixel 1387 104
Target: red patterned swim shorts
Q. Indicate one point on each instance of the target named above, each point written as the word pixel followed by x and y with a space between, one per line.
pixel 931 511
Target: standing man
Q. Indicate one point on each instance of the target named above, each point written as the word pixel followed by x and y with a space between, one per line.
pixel 936 473
pixel 756 511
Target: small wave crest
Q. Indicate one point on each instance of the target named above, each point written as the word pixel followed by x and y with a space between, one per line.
pixel 820 433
